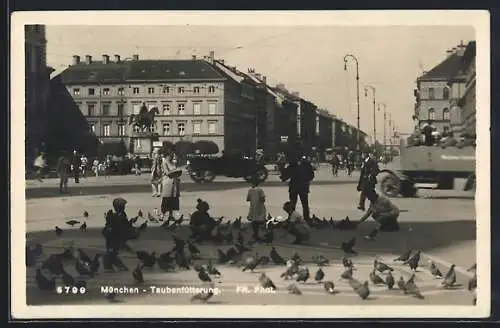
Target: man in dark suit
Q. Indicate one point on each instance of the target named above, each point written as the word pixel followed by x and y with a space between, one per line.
pixel 76 163
pixel 367 177
pixel 300 173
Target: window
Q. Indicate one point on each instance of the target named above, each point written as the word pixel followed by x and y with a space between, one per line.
pixel 136 108
pixel 166 89
pixel 432 114
pixel 196 90
pixel 446 93
pixel 317 125
pixel 166 109
pixel 180 89
pixel 196 108
pixel 120 109
pixel 151 90
pixel 446 114
pixel 91 91
pixel 91 109
pixel 211 89
pixel 135 90
pixel 166 129
pixel 106 130
pixel 212 108
pixel 121 91
pixel 196 127
pixel 121 130
pixel 212 127
pixel 92 127
pixel 181 127
pixel 431 93
pixel 105 109
pixel 76 91
pixel 137 144
pixel 180 108
pixel 154 126
pixel 105 92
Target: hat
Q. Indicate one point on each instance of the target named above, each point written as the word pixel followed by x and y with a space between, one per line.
pixel 119 202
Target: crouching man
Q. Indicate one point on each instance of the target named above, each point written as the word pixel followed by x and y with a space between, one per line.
pixel 383 211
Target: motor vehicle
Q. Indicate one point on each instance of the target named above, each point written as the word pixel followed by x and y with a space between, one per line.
pixel 204 168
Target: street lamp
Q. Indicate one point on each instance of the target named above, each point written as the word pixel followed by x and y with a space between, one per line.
pixel 385 118
pixel 369 87
pixel 357 96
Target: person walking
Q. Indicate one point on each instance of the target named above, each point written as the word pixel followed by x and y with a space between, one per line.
pixel 137 165
pixel 75 166
pixel 335 162
pixel 367 178
pixel 170 182
pixel 300 174
pixel 257 211
pixel 63 169
pixel 383 211
pixel 156 174
pixel 84 165
pixel 40 164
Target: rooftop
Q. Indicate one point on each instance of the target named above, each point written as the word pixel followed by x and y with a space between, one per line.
pixel 445 70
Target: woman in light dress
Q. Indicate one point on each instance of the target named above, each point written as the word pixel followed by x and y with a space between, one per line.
pixel 170 184
pixel 156 174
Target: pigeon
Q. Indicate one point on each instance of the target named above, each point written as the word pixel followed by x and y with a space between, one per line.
pixel 472 284
pixel 347 247
pixel 319 275
pixel 347 274
pixel 347 263
pixel 222 257
pixel 293 289
pixel 44 283
pixel 252 263
pixel 472 268
pixel 197 267
pixel 193 249
pixel 240 238
pixel 375 278
pixel 241 248
pixel 329 287
pixel 133 220
pixel 229 238
pixel 67 279
pixel 83 256
pixel 83 269
pixel 266 282
pixel 181 260
pixel 212 270
pixel 404 257
pixel 320 260
pixel 148 260
pixel 72 222
pixel 290 271
pixel 434 271
pixel 95 263
pixel 303 275
pixel 53 264
pixel 140 214
pixel 401 283
pixel 83 227
pixel 381 267
pixel 165 265
pixel 116 261
pixel 450 278
pixel 138 275
pixel 265 260
pixel 85 214
pixel 143 226
pixel 111 297
pixel 411 288
pixel 413 261
pixel 389 280
pixel 203 275
pixel 296 258
pixel 277 259
pixel 361 289
pixel 203 296
pixel 59 231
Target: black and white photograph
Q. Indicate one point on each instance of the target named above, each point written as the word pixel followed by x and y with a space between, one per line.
pixel 250 164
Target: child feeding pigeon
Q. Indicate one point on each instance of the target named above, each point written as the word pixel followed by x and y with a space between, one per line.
pixel 383 211
pixel 118 229
pixel 201 223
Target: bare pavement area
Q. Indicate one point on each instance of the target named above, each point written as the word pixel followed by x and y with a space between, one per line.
pixel 441 224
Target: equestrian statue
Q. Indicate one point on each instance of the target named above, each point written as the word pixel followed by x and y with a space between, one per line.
pixel 145 119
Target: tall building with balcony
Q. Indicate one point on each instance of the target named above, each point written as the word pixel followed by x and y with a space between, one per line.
pixel 37 78
pixel 438 88
pixel 195 100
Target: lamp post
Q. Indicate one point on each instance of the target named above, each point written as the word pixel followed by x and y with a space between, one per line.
pixel 390 134
pixel 369 87
pixel 357 97
pixel 385 118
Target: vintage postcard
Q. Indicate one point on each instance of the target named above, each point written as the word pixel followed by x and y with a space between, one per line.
pixel 303 164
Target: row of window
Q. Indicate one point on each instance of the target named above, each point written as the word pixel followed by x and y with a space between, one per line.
pixel 432 93
pixel 136 90
pixel 166 109
pixel 433 115
pixel 166 128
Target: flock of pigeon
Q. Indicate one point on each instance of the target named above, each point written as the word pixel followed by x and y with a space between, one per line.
pixel 185 255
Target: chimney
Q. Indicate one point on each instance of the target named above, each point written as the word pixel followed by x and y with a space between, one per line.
pixel 117 58
pixel 449 52
pixel 258 76
pixel 460 50
pixel 264 79
pixel 76 60
pixel 105 59
pixel 88 59
pixel 193 57
pixel 211 56
pixel 135 57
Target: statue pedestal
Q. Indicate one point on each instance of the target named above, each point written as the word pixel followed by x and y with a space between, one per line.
pixel 141 143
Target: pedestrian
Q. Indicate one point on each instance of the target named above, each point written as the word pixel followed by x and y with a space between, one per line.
pixel 40 164
pixel 383 211
pixel 295 224
pixel 95 167
pixel 118 229
pixel 300 173
pixel 107 167
pixel 63 169
pixel 335 162
pixel 367 178
pixel 137 165
pixel 257 211
pixel 156 174
pixel 75 166
pixel 201 223
pixel 84 165
pixel 170 192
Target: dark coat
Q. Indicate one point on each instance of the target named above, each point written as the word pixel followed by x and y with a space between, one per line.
pixel 369 171
pixel 117 229
pixel 300 175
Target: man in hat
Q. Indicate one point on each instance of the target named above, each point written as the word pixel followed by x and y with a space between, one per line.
pixel 367 177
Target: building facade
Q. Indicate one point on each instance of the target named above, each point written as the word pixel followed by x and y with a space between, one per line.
pixel 438 88
pixel 37 78
pixel 467 103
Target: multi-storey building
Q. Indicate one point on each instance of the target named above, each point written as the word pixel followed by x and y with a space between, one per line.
pixel 195 100
pixel 37 77
pixel 437 88
pixel 467 103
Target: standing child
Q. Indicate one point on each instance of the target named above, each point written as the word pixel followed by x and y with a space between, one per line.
pixel 257 211
pixel 295 224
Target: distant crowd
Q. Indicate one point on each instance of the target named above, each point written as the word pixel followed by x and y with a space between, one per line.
pixel 427 135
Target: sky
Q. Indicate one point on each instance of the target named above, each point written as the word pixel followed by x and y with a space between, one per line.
pixel 306 59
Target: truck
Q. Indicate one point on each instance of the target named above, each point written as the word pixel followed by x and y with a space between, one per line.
pixel 428 167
